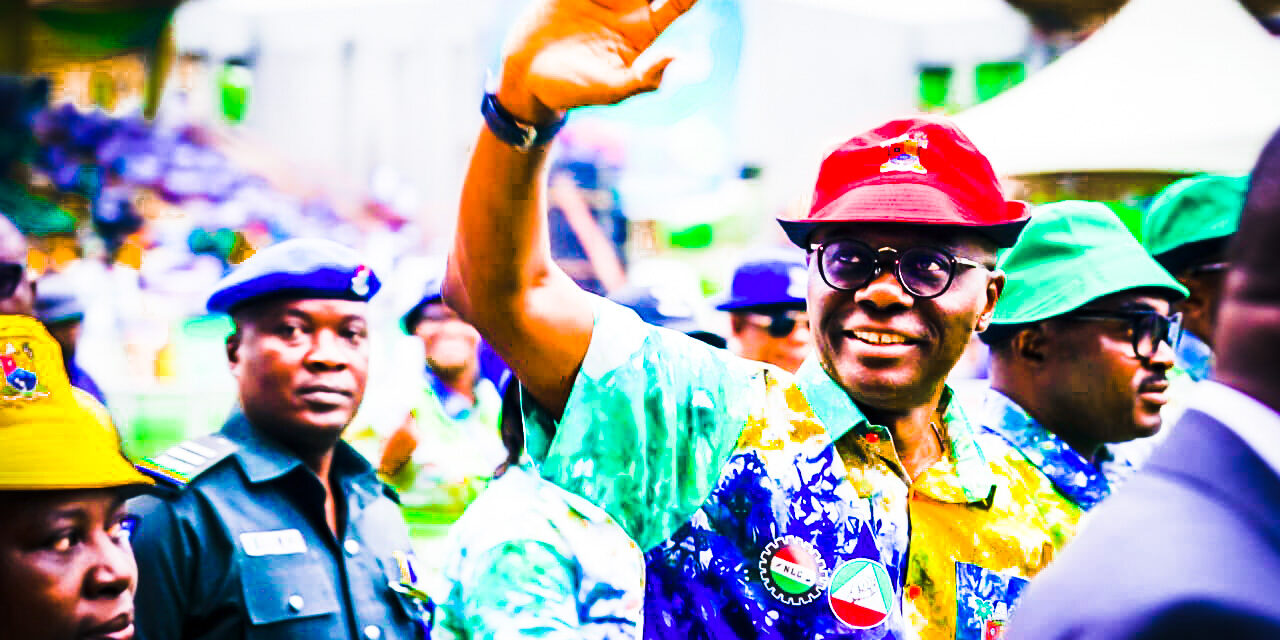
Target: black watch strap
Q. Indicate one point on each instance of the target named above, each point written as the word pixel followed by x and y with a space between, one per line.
pixel 518 134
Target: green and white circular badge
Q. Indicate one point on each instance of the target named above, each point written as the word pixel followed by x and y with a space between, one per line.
pixel 861 594
pixel 792 570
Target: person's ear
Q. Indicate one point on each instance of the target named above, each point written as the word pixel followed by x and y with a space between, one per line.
pixel 995 285
pixel 233 350
pixel 737 323
pixel 1031 344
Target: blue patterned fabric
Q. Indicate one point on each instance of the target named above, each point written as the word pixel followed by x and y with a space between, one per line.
pixel 1081 481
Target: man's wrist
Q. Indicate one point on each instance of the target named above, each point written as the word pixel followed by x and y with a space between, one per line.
pixel 514 130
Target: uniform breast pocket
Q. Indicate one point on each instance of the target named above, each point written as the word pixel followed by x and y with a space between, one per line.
pixel 289 597
pixel 984 601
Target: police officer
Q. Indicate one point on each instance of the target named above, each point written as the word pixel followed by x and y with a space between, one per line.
pixel 767 309
pixel 1081 343
pixel 1187 230
pixel 275 527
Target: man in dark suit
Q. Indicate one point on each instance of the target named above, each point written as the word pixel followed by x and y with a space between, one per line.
pixel 1191 546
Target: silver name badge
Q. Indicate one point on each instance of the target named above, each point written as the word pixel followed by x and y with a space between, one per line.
pixel 273 543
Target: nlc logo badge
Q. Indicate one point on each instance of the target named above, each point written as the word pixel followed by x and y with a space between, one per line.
pixel 861 594
pixel 792 570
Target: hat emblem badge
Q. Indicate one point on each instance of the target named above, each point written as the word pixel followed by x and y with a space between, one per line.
pixel 20 380
pixel 360 281
pixel 904 153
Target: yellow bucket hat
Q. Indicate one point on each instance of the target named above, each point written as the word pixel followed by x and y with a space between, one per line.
pixel 51 435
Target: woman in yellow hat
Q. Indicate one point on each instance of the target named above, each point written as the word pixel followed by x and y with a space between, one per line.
pixel 66 567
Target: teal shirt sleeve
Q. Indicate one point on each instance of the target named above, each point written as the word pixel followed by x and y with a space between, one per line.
pixel 652 417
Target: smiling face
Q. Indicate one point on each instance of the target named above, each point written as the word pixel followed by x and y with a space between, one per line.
pixel 66 568
pixel 1096 384
pixel 887 349
pixel 301 367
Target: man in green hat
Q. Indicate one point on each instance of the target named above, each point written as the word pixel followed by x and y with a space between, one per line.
pixel 1187 230
pixel 1080 342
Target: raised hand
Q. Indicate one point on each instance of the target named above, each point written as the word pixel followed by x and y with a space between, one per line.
pixel 571 53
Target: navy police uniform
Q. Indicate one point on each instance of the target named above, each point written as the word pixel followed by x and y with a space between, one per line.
pixel 240 547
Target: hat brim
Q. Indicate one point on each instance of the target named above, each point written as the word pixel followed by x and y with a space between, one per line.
pixel 409 321
pixel 913 204
pixel 1067 286
pixel 768 306
pixel 43 456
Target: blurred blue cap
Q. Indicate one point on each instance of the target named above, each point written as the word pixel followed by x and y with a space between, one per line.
pixel 432 292
pixel 657 307
pixel 56 300
pixel 297 268
pixel 773 279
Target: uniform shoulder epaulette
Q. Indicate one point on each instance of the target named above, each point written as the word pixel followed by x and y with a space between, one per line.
pixel 182 463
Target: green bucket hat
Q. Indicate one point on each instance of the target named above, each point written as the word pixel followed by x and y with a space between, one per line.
pixel 1192 219
pixel 1070 253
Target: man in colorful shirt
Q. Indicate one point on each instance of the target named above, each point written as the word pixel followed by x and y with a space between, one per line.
pixel 1080 348
pixel 1187 229
pixel 851 500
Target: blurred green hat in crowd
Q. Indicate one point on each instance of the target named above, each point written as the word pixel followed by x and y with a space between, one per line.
pixel 1192 219
pixel 1071 253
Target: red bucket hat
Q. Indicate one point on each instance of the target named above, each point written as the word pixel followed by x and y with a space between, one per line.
pixel 920 170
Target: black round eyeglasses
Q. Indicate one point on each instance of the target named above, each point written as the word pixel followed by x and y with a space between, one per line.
pixel 923 272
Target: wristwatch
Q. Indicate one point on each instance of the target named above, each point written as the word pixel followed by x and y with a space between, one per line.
pixel 507 128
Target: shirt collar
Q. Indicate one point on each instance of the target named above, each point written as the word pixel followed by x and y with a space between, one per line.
pixel 1194 356
pixel 1082 482
pixel 264 459
pixel 970 479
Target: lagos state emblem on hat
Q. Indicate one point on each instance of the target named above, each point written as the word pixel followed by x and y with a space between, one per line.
pixel 20 379
pixel 904 153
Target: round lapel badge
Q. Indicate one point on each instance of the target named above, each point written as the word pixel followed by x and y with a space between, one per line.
pixel 861 594
pixel 792 570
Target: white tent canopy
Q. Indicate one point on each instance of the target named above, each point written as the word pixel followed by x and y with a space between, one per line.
pixel 1166 85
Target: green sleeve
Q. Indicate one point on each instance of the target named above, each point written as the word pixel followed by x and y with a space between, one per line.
pixel 652 418
pixel 519 589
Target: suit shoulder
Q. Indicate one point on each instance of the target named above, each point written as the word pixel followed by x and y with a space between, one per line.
pixel 180 465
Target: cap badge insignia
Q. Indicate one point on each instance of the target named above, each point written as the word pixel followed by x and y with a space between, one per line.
pixel 904 153
pixel 360 281
pixel 20 380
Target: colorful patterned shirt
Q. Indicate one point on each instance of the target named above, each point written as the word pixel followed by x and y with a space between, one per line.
pixel 530 559
pixel 770 507
pixel 1078 484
